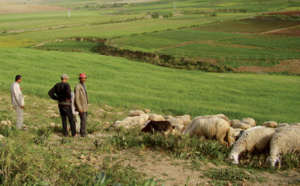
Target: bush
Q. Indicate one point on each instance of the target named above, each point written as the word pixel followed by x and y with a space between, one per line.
pixel 155 15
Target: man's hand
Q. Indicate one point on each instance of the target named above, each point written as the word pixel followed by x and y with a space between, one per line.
pixel 81 111
pixel 68 100
pixel 22 106
pixel 21 88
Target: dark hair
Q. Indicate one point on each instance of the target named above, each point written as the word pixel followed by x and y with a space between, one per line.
pixel 18 77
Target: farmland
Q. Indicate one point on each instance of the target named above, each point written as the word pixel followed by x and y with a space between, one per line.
pixel 183 44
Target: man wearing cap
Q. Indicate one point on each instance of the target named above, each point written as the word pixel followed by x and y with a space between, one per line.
pixel 61 92
pixel 17 100
pixel 81 102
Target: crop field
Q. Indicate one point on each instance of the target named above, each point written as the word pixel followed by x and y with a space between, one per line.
pixel 123 83
pixel 146 54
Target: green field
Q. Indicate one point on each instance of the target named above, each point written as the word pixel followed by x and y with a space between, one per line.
pixel 233 33
pixel 123 83
pixel 197 29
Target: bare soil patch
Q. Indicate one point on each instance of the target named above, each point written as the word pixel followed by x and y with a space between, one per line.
pixel 176 172
pixel 259 24
pixel 288 13
pixel 294 31
pixel 15 8
pixel 291 66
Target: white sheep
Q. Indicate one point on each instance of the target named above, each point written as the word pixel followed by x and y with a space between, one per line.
pixel 147 111
pixel 186 119
pixel 213 128
pixel 175 121
pixel 234 121
pixel 253 140
pixel 156 117
pixel 178 127
pixel 270 124
pixel 130 122
pixel 237 132
pixel 203 117
pixel 285 140
pixel 243 126
pixel 249 121
pixel 133 113
pixel 167 117
pixel 282 125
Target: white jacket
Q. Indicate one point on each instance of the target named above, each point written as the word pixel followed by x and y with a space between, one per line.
pixel 17 98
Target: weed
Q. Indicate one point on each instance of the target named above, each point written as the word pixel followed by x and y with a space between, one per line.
pixel 232 174
pixel 9 131
pixel 291 160
pixel 97 144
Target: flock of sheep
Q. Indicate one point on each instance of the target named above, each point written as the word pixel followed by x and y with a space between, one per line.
pixel 247 139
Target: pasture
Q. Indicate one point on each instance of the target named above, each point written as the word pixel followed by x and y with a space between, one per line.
pixel 244 35
pixel 124 83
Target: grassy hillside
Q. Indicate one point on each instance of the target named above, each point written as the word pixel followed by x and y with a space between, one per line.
pixel 119 82
pixel 230 33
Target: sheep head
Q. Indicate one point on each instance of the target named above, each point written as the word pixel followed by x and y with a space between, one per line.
pixel 234 158
pixel 273 160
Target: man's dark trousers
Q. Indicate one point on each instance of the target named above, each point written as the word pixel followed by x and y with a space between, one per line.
pixel 66 112
pixel 83 117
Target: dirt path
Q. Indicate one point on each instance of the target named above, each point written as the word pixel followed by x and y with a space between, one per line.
pixel 280 30
pixel 15 8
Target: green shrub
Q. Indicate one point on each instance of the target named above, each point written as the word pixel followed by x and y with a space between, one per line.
pixel 155 15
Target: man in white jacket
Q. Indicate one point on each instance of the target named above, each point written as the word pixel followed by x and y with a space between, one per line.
pixel 17 100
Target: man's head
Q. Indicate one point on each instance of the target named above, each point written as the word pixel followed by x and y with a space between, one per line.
pixel 18 78
pixel 64 77
pixel 82 78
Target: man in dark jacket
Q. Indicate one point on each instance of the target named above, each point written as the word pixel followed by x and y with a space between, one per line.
pixel 61 92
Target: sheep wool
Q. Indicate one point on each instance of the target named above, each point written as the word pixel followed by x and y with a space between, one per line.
pixel 147 111
pixel 252 140
pixel 286 140
pixel 130 122
pixel 175 121
pixel 213 128
pixel 243 126
pixel 270 124
pixel 167 117
pixel 203 117
pixel 156 117
pixel 186 119
pixel 282 125
pixel 249 121
pixel 133 113
pixel 234 121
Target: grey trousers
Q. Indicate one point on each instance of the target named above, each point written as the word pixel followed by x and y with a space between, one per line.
pixel 83 117
pixel 19 117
